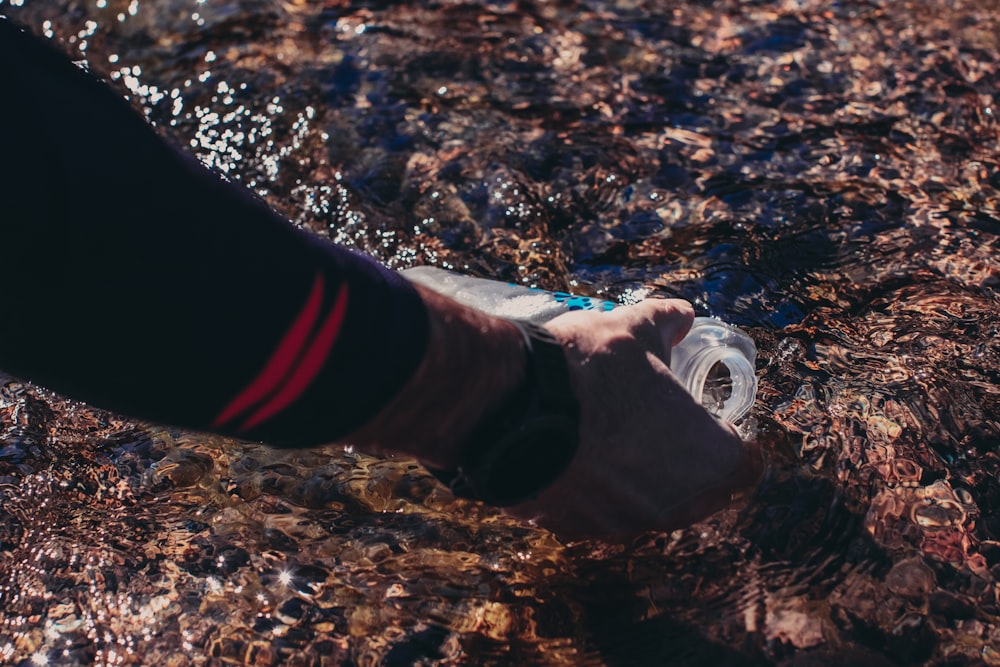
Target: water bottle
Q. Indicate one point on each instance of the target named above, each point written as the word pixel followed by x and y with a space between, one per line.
pixel 714 362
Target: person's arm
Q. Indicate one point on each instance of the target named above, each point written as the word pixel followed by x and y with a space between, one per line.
pixel 141 281
pixel 144 283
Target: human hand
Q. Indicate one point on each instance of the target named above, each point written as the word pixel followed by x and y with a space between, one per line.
pixel 650 456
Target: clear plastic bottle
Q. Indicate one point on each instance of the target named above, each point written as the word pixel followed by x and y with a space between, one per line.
pixel 714 362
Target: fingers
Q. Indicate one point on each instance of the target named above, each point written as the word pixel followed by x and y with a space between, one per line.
pixel 733 490
pixel 651 458
pixel 617 513
pixel 673 317
pixel 659 324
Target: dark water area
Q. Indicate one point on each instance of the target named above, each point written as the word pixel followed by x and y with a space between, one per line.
pixel 824 174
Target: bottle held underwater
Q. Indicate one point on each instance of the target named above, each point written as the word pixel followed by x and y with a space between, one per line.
pixel 714 362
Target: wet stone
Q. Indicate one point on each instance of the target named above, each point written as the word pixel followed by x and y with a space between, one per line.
pixel 951 606
pixel 292 611
pixel 911 578
pixel 824 175
pixel 912 639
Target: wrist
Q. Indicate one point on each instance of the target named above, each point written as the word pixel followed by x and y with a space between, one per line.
pixel 472 365
pixel 521 448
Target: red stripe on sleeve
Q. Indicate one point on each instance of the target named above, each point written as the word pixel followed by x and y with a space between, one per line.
pixel 282 361
pixel 308 367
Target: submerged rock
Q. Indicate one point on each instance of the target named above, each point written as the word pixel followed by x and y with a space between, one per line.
pixel 823 175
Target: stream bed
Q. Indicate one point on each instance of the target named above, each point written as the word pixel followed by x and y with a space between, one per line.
pixel 825 175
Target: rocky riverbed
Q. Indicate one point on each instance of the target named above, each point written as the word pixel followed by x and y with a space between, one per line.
pixel 825 175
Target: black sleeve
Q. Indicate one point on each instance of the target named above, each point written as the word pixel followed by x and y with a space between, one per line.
pixel 140 281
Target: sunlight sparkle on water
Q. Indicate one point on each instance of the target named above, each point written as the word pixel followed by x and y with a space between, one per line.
pixel 759 168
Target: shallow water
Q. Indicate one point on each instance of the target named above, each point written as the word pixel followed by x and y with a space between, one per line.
pixel 825 175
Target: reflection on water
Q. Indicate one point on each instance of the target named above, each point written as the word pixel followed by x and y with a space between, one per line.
pixel 826 176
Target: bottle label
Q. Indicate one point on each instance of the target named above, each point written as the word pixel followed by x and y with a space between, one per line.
pixel 576 302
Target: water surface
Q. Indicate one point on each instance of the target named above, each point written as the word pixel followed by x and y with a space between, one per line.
pixel 825 175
